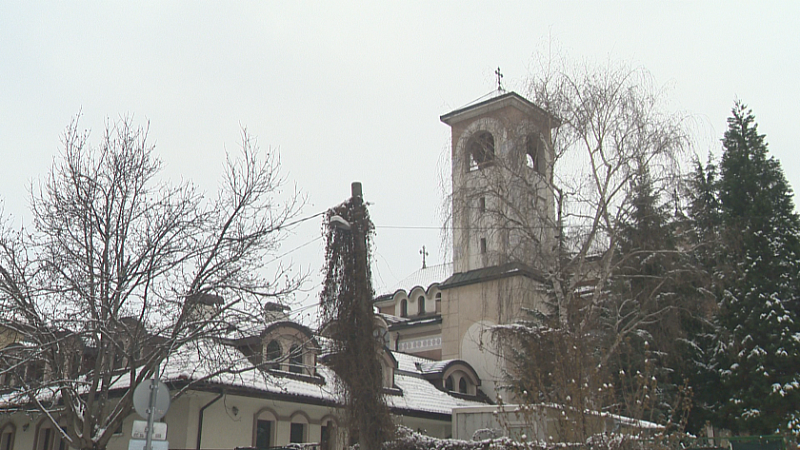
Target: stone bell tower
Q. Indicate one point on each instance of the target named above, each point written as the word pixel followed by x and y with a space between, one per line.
pixel 503 204
pixel 503 224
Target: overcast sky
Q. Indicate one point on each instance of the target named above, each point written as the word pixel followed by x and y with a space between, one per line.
pixel 353 91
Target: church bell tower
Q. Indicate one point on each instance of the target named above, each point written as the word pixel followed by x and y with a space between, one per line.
pixel 503 226
pixel 502 201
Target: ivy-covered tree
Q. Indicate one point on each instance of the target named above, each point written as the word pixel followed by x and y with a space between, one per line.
pixel 757 352
pixel 348 320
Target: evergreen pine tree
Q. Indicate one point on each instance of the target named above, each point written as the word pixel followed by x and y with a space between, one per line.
pixel 701 287
pixel 644 291
pixel 758 353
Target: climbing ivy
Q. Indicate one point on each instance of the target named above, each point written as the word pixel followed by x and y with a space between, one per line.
pixel 348 322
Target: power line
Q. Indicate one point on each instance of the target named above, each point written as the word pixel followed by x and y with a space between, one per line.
pixel 293 250
pixel 304 219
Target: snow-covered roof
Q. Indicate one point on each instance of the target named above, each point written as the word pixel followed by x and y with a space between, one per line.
pixel 215 363
pixel 418 393
pixel 423 278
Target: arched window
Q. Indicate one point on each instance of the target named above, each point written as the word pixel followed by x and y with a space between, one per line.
pixel 421 305
pixel 7 434
pixel 534 153
pixel 274 354
pixel 265 429
pixel 438 302
pixel 296 359
pixel 448 383
pixel 480 150
pixel 298 432
pixel 328 433
pixel 462 385
pixel 48 437
pixel 403 308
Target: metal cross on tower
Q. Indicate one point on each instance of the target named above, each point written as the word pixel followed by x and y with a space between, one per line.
pixel 424 254
pixel 499 79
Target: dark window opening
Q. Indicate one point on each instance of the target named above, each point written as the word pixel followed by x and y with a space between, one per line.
pixel 263 433
pixel 297 434
pixel 274 354
pixel 483 246
pixel 462 386
pixel 403 308
pixel 481 151
pixel 326 439
pixel 383 380
pixel 45 438
pixel 35 373
pixel 421 305
pixel 482 204
pixel 448 383
pixel 534 154
pixel 438 302
pixel 296 359
pixel 7 441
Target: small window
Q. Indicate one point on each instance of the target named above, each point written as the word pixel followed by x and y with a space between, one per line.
pixel 421 305
pixel 481 151
pixel 403 308
pixel 483 246
pixel 274 354
pixel 298 433
pixel 263 433
pixel 296 359
pixel 462 385
pixel 482 204
pixel 438 302
pixel 448 383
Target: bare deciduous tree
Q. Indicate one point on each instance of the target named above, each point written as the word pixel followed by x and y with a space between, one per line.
pixel 120 270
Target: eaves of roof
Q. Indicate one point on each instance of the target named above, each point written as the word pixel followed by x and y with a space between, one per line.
pixel 260 393
pixel 489 274
pixel 431 320
pixel 509 98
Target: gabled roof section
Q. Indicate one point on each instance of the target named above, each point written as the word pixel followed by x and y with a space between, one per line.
pixel 491 273
pixel 253 340
pixel 506 100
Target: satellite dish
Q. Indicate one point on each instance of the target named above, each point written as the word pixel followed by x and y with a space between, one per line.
pixel 141 399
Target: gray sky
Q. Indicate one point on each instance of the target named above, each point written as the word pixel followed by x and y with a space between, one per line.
pixel 353 91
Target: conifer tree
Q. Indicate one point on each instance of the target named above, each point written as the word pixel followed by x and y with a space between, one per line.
pixel 645 289
pixel 758 349
pixel 705 274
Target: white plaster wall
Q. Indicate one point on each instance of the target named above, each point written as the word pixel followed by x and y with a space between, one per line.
pixel 479 351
